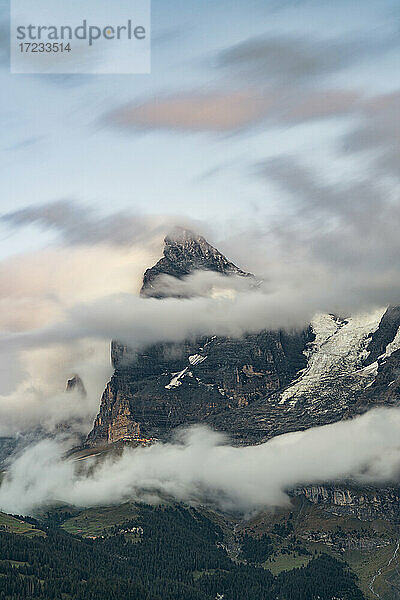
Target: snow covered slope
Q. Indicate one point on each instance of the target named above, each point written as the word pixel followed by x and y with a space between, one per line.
pixel 338 381
pixel 338 352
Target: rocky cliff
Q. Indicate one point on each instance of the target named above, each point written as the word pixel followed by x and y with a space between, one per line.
pixel 169 385
pixel 252 388
pixel 384 335
pixel 334 385
pixel 366 503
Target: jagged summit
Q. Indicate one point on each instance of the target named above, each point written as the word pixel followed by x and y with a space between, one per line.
pixel 254 387
pixel 185 252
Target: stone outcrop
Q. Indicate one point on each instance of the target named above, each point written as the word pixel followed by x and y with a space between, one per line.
pixel 114 421
pixel 385 389
pixel 384 335
pixel 366 503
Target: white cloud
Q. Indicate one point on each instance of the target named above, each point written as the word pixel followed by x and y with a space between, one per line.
pixel 201 466
pixel 39 290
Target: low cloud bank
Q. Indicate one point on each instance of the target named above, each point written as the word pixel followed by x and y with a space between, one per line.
pixel 40 402
pixel 220 305
pixel 201 466
pixel 37 291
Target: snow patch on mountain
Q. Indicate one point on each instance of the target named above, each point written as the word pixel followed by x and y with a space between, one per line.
pixel 337 351
pixel 372 369
pixel 196 359
pixel 176 381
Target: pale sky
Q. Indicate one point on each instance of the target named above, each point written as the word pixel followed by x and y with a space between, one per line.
pixel 272 126
pixel 234 84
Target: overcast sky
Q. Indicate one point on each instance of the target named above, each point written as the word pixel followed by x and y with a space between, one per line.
pixel 234 84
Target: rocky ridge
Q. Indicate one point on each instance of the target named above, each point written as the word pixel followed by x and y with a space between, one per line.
pixel 252 388
pixel 367 503
pixel 170 385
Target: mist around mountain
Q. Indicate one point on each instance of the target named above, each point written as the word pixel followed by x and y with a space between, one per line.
pixel 282 443
pixel 200 307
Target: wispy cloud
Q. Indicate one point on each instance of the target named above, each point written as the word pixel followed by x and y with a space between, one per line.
pixel 196 111
pixel 222 112
pixel 299 60
pixel 378 132
pixel 78 224
pixel 284 79
pixel 349 227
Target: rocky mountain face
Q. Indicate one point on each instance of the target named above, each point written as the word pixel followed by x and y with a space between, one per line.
pixel 168 386
pixel 337 383
pixel 366 503
pixel 185 253
pixel 201 380
pixel 384 335
pixel 384 347
pixel 253 388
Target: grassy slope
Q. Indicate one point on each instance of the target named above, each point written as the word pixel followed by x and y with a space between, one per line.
pixel 13 525
pixel 98 521
pixel 365 563
pixel 286 563
pixel 388 585
pixel 305 517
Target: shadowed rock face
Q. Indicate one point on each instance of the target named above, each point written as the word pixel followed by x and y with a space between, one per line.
pixel 385 389
pixel 384 335
pixel 171 385
pixel 168 386
pixel 384 358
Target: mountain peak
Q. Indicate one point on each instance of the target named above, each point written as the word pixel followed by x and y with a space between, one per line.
pixel 184 253
pixel 182 236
